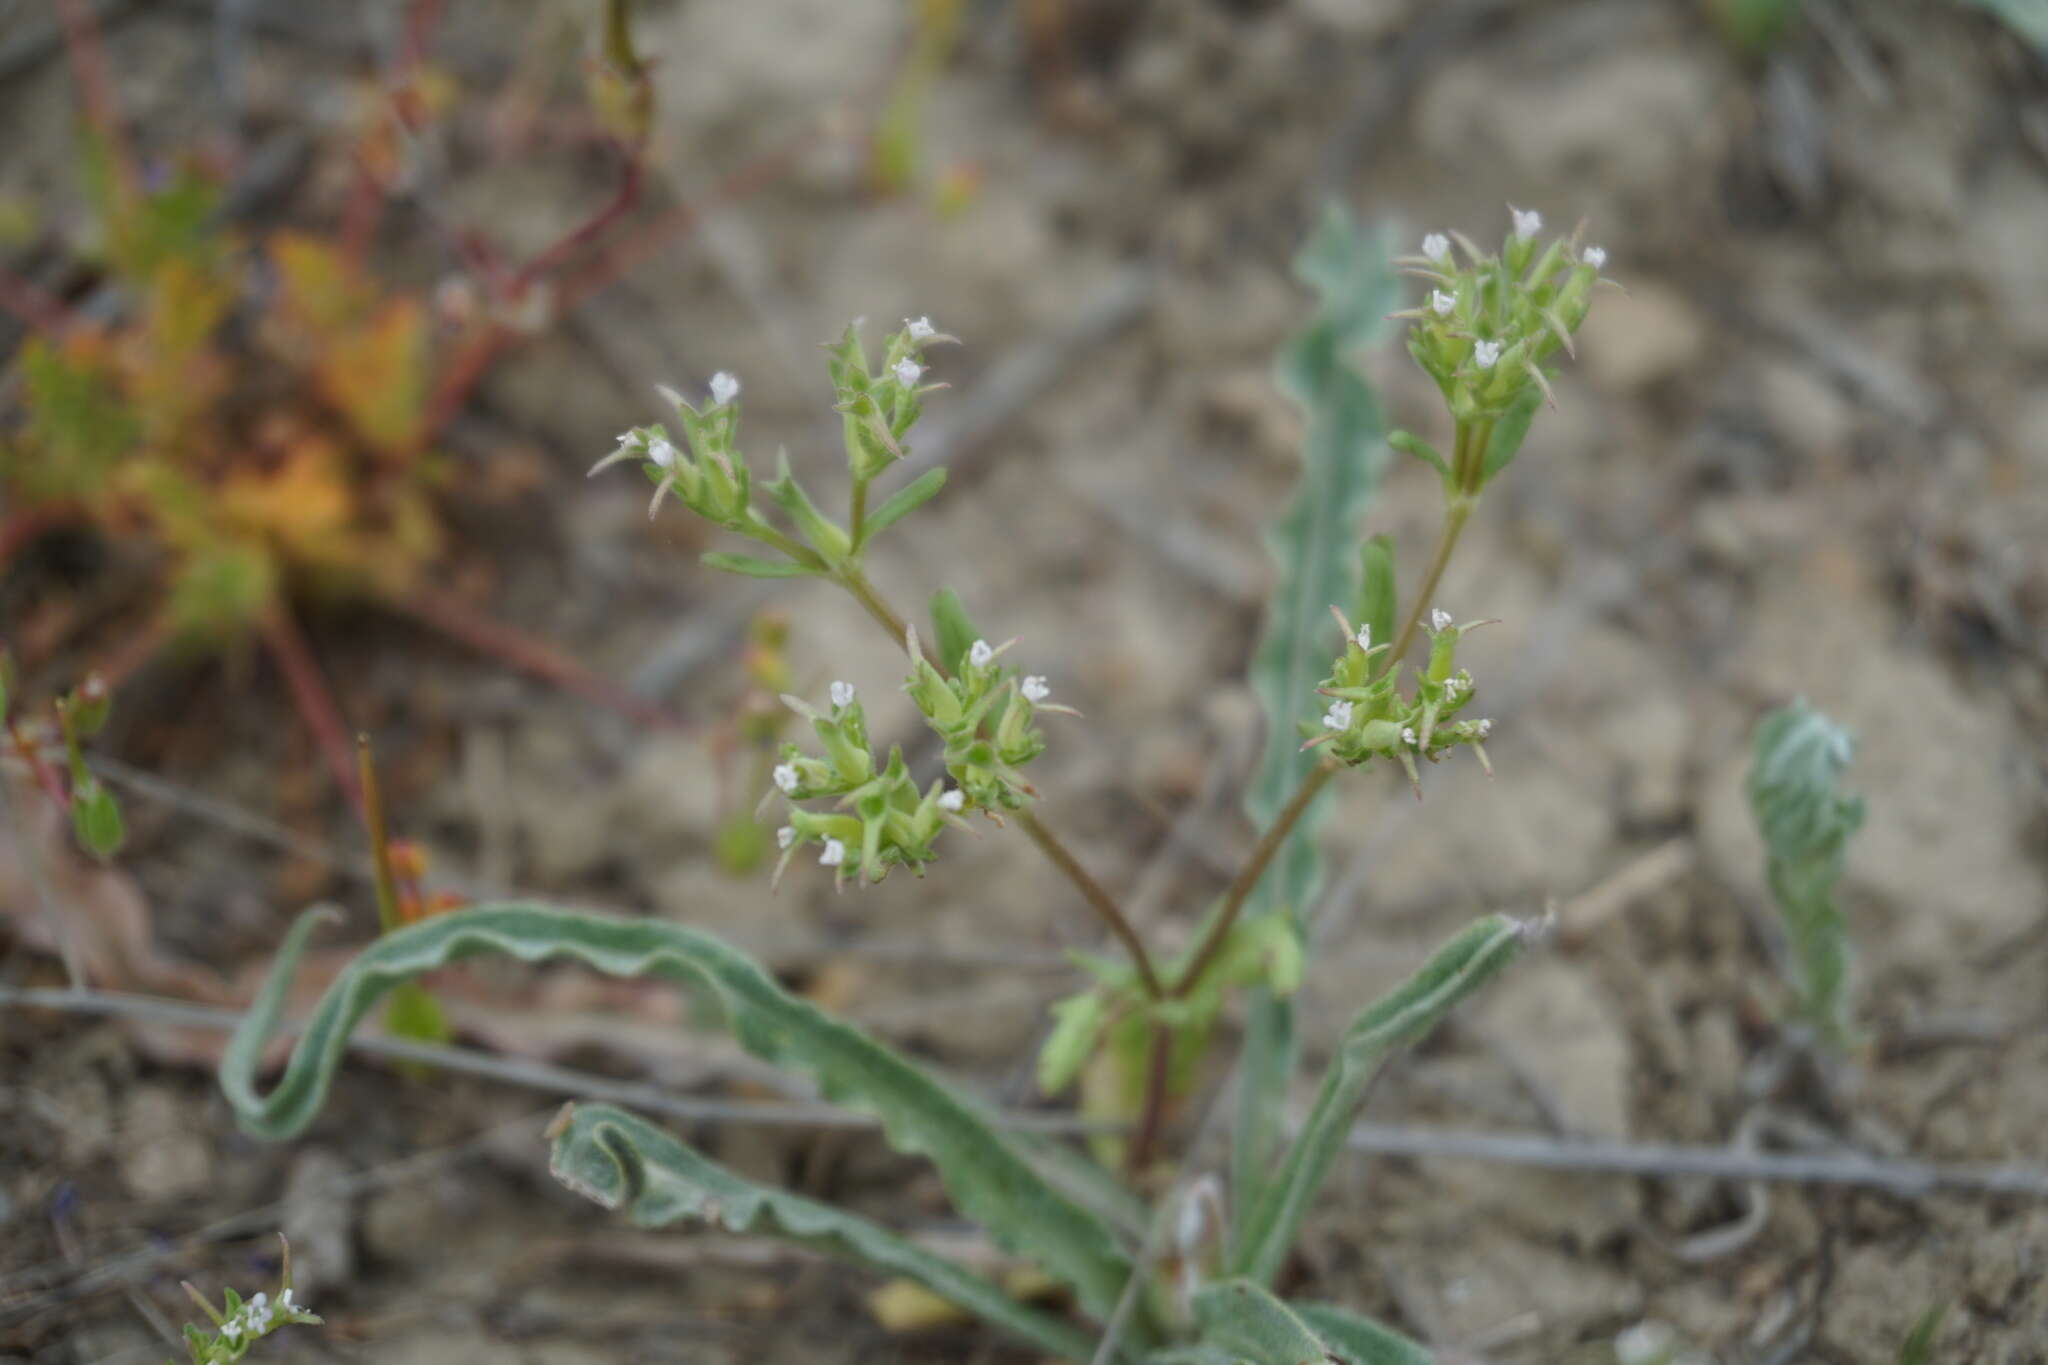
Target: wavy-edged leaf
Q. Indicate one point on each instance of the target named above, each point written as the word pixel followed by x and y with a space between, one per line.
pixel 1343 453
pixel 1401 1016
pixel 903 502
pixel 1358 1340
pixel 626 1163
pixel 753 566
pixel 988 1179
pixel 1249 1325
pixel 1795 794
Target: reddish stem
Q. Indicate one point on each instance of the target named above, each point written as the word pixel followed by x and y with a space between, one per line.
pixel 623 200
pixel 458 621
pixel 1152 1118
pixel 314 700
pixel 96 88
pixel 45 775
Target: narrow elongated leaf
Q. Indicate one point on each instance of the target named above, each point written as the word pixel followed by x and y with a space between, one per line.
pixel 1248 1324
pixel 1509 433
pixel 754 566
pixel 1343 453
pixel 1357 1340
pixel 1376 596
pixel 956 633
pixel 1401 1016
pixel 903 502
pixel 626 1163
pixel 987 1178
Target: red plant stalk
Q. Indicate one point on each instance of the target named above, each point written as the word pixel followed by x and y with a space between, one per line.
pixel 315 702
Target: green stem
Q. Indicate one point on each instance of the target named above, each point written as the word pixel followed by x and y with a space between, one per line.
pixel 859 518
pixel 1456 512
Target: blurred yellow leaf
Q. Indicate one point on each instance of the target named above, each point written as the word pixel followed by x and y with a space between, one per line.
pixel 377 376
pixel 316 290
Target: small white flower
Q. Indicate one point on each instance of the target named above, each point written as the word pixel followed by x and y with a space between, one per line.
pixel 1595 256
pixel 284 1301
pixel 635 439
pixel 1338 717
pixel 786 778
pixel 842 693
pixel 1452 687
pixel 834 854
pixel 1437 247
pixel 785 836
pixel 724 388
pixel 1485 353
pixel 920 329
pixel 1365 636
pixel 906 371
pixel 1441 303
pixel 1439 619
pixel 1485 727
pixel 979 653
pixel 1528 222
pixel 952 800
pixel 662 453
pixel 1408 736
pixel 1034 688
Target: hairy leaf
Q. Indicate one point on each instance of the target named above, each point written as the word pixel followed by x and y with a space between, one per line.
pixel 626 1163
pixel 1357 1340
pixel 1806 820
pixel 1247 1324
pixel 986 1176
pixel 1401 1016
pixel 1509 433
pixel 1376 596
pixel 1343 453
pixel 956 633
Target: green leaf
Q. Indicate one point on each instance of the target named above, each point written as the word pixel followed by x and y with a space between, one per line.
pixel 956 634
pixel 1247 1324
pixel 823 534
pixel 754 567
pixel 988 1179
pixel 1357 1340
pixel 1794 788
pixel 96 819
pixel 1509 433
pixel 623 1162
pixel 1408 443
pixel 1401 1016
pixel 1376 597
pixel 1343 453
pixel 413 1012
pixel 2028 18
pixel 903 502
pixel 1918 1347
pixel 1078 1022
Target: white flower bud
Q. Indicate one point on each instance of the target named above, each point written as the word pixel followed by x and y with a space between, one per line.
pixel 1595 256
pixel 1437 247
pixel 1034 688
pixel 1365 636
pixel 952 800
pixel 1338 717
pixel 920 329
pixel 1528 222
pixel 785 836
pixel 662 453
pixel 842 693
pixel 1408 736
pixel 1439 619
pixel 1441 303
pixel 1484 727
pixel 907 371
pixel 724 388
pixel 1485 354
pixel 834 854
pixel 786 778
pixel 979 653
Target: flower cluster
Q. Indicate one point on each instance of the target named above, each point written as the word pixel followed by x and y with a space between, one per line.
pixel 242 1325
pixel 984 712
pixel 1369 718
pixel 707 473
pixel 878 408
pixel 880 818
pixel 1488 325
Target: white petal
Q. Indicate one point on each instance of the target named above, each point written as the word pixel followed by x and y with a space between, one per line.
pixel 952 800
pixel 1441 303
pixel 907 371
pixel 1034 688
pixel 1365 636
pixel 724 388
pixel 1439 619
pixel 1338 717
pixel 1437 247
pixel 1528 222
pixel 785 777
pixel 979 653
pixel 920 329
pixel 1485 354
pixel 834 854
pixel 1595 256
pixel 785 836
pixel 842 693
pixel 662 453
